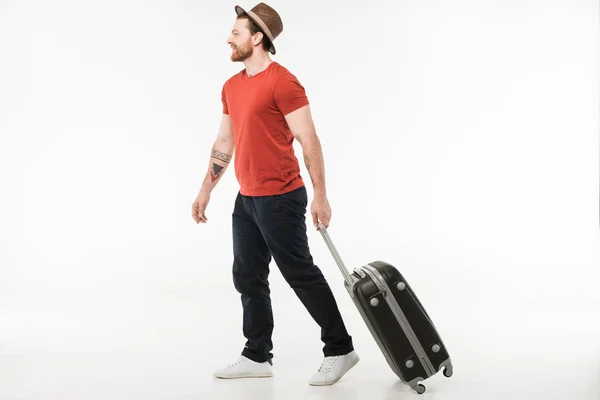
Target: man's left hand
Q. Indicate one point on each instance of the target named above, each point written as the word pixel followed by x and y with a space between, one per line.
pixel 320 210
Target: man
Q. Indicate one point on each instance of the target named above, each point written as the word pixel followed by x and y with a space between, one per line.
pixel 264 109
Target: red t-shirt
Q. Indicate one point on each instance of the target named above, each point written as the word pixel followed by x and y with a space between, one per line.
pixel 265 163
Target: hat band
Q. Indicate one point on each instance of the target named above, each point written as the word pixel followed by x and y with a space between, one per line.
pixel 260 22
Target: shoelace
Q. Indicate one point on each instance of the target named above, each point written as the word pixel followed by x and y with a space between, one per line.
pixel 239 361
pixel 328 363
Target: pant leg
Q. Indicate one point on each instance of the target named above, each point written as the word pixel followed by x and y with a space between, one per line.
pixel 282 221
pixel 250 277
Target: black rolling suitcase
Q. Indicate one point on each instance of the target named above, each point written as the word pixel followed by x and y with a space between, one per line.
pixel 397 320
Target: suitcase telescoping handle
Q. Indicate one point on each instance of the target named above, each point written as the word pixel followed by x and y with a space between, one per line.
pixel 334 252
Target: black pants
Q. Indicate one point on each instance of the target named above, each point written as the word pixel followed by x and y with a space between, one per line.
pixel 275 226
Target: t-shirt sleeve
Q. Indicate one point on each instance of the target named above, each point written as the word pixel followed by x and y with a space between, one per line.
pixel 224 101
pixel 289 94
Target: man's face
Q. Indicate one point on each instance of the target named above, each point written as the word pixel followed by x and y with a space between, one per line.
pixel 240 41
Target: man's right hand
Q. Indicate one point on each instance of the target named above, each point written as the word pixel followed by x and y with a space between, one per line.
pixel 199 207
pixel 220 156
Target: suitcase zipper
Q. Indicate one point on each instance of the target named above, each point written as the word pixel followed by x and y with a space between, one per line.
pixel 404 324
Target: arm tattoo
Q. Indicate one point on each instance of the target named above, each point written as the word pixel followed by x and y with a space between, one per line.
pixel 307 162
pixel 215 172
pixel 221 156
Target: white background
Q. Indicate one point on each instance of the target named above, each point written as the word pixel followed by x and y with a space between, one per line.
pixel 461 145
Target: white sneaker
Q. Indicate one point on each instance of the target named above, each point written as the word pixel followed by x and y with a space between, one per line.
pixel 333 368
pixel 245 368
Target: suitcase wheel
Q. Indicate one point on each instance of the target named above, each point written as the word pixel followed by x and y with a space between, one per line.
pixel 448 371
pixel 420 388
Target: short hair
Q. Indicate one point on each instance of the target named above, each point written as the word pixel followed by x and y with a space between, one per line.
pixel 254 29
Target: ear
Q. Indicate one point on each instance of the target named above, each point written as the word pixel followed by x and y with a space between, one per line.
pixel 256 38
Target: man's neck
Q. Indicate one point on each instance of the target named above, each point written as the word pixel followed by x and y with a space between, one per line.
pixel 257 63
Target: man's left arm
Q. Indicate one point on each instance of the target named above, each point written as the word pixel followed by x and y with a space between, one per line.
pixel 303 128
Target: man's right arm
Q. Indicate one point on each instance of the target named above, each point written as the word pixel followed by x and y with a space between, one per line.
pixel 220 156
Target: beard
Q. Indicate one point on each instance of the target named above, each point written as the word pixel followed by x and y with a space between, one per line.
pixel 243 52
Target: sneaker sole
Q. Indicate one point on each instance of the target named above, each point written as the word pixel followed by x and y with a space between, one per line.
pixel 243 376
pixel 340 377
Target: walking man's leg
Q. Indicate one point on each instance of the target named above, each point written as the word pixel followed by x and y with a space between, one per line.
pixel 250 277
pixel 282 220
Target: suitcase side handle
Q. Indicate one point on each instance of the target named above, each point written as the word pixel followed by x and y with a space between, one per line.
pixel 334 253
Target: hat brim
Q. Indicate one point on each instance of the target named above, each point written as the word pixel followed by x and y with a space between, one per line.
pixel 240 11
